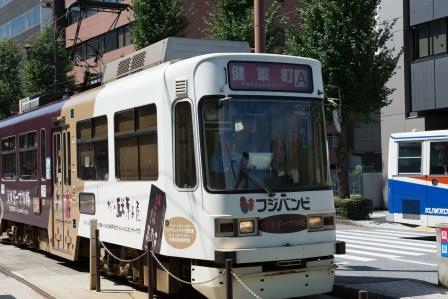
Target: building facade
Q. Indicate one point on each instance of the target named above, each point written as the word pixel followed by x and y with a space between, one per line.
pixel 23 19
pixel 420 100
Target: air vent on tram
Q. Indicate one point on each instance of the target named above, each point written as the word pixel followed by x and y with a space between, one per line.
pixel 138 61
pixel 123 67
pixel 170 49
pixel 181 88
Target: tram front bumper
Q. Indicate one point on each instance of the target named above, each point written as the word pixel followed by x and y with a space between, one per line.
pixel 316 278
pixel 271 254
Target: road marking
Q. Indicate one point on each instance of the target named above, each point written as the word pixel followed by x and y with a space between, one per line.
pixel 426 247
pixel 397 235
pixel 401 252
pixel 415 262
pixel 355 258
pixel 404 233
pixel 362 252
pixel 427 244
pixel 350 240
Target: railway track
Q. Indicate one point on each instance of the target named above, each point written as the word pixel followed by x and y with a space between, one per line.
pixel 23 281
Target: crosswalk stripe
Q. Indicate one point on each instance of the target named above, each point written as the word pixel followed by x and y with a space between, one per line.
pixel 350 240
pixel 361 252
pixel 404 233
pixel 428 244
pixel 388 241
pixel 401 252
pixel 416 262
pixel 355 258
pixel 396 235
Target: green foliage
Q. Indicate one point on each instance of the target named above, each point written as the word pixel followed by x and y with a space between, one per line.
pixel 10 91
pixel 38 69
pixel 156 20
pixel 352 47
pixel 234 20
pixel 353 208
pixel 356 61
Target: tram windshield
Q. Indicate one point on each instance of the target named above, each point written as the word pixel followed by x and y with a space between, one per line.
pixel 263 144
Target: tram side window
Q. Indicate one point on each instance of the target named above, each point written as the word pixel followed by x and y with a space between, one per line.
pixel 28 156
pixel 136 154
pixel 439 158
pixel 92 149
pixel 409 157
pixel 184 146
pixel 9 158
pixel 43 166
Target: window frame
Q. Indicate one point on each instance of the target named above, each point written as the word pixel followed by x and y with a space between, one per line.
pixel 36 148
pixel 430 156
pixel 195 148
pixel 421 158
pixel 430 39
pixel 91 140
pixel 43 154
pixel 137 133
pixel 9 152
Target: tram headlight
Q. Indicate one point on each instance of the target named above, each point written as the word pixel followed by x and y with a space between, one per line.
pixel 236 227
pixel 247 226
pixel 321 222
pixel 315 222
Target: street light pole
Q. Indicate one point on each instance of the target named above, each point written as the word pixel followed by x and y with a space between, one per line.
pixel 260 43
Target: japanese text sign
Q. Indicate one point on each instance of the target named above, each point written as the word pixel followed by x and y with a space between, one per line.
pixel 264 76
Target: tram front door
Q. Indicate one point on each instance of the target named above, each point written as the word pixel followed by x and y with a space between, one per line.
pixel 63 224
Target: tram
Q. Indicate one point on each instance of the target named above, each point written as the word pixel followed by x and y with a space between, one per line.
pixel 208 156
pixel 418 177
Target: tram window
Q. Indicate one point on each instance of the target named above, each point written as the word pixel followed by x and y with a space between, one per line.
pixel 439 158
pixel 28 156
pixel 92 149
pixel 409 157
pixel 87 203
pixel 9 158
pixel 136 144
pixel 43 165
pixel 185 166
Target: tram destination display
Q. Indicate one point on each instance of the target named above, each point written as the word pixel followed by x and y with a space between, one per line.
pixel 265 76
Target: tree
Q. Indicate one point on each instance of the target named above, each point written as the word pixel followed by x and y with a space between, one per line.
pixel 234 20
pixel 38 69
pixel 347 39
pixel 156 20
pixel 10 91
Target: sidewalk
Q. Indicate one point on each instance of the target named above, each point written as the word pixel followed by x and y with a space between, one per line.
pixel 58 278
pixel 386 288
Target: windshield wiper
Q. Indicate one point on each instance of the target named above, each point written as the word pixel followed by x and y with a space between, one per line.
pixel 255 180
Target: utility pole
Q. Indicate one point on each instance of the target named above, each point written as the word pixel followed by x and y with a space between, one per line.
pixel 260 40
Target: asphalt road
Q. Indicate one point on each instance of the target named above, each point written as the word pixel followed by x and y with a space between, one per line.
pixel 401 263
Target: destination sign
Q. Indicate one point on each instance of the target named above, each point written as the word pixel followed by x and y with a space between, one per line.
pixel 266 76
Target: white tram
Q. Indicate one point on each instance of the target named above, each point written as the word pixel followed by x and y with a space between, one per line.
pixel 212 157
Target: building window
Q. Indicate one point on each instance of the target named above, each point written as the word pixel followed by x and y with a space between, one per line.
pixel 118 38
pixel 184 146
pixel 28 156
pixel 438 33
pixel 430 38
pixel 9 171
pixel 136 144
pixel 409 157
pixel 422 38
pixel 92 149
